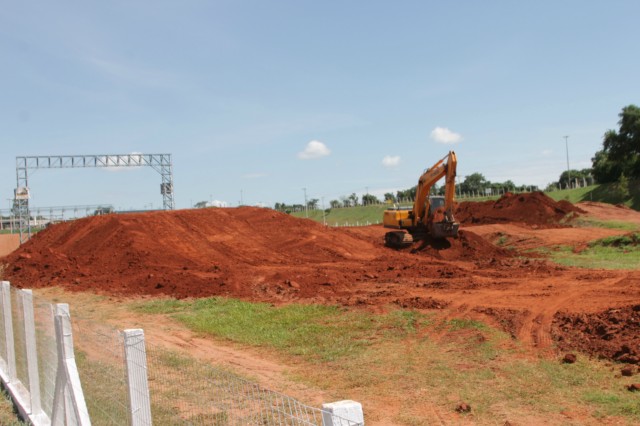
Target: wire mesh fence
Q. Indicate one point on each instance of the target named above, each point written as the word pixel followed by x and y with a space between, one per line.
pixel 4 356
pixel 120 374
pixel 19 337
pixel 187 392
pixel 43 311
pixel 101 366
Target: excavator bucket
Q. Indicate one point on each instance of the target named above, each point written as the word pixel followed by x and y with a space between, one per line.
pixel 444 229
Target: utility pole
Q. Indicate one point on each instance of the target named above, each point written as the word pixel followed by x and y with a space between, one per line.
pixel 566 143
pixel 306 210
pixel 324 220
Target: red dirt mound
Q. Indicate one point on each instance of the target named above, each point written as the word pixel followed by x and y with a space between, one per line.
pixel 612 334
pixel 182 253
pixel 468 246
pixel 533 208
pixel 246 252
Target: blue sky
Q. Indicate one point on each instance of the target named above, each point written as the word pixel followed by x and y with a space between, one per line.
pixel 264 98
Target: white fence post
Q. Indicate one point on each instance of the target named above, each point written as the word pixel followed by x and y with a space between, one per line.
pixel 31 349
pixel 137 381
pixel 342 413
pixel 69 407
pixel 5 299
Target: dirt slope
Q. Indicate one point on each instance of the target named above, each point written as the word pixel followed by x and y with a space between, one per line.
pixel 245 252
pixel 533 209
pixel 260 254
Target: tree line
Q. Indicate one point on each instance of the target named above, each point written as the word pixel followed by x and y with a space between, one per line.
pixel 474 185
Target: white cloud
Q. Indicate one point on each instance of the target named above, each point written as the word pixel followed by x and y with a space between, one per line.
pixel 391 160
pixel 547 152
pixel 446 136
pixel 217 203
pixel 314 149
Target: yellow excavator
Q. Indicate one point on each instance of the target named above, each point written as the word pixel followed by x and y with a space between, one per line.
pixel 430 216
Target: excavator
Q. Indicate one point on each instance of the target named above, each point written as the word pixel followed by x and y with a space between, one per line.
pixel 430 216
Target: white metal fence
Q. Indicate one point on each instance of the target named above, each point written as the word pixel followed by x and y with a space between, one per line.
pixel 59 373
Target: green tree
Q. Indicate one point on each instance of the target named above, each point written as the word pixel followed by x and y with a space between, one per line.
pixel 312 204
pixel 407 194
pixel 620 152
pixel 604 169
pixel 475 182
pixel 389 197
pixel 508 185
pixel 335 204
pixel 369 199
pixel 575 174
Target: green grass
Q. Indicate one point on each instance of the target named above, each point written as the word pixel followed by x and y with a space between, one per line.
pixel 605 193
pixel 104 389
pixel 413 359
pixel 588 193
pixel 622 241
pixel 352 216
pixel 315 332
pixel 617 252
pixel 582 222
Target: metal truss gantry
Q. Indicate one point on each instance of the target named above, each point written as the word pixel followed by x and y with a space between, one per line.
pixel 159 162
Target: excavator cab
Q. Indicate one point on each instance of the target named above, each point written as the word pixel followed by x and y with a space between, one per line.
pixel 435 202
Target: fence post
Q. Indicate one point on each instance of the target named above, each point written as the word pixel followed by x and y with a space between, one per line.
pixel 68 400
pixel 342 413
pixel 5 299
pixel 137 381
pixel 31 349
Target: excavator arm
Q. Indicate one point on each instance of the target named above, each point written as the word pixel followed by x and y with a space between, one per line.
pixel 450 185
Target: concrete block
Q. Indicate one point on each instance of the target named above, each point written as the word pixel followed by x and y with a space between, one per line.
pixel 334 413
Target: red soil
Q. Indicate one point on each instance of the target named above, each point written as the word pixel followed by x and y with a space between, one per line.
pixel 242 252
pixel 612 334
pixel 533 209
pixel 260 254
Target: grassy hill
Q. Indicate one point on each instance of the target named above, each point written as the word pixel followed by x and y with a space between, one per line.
pixel 628 195
pixel 350 216
pixel 612 193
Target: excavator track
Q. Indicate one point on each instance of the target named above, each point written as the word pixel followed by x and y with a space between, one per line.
pixel 398 239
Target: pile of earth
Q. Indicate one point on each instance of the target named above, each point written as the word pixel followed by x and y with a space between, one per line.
pixel 468 246
pixel 611 334
pixel 246 252
pixel 533 208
